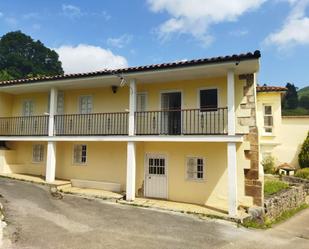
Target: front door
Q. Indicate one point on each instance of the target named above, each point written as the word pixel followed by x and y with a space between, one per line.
pixel 171 109
pixel 156 176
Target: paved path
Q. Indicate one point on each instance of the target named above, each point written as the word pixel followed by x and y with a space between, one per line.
pixel 37 220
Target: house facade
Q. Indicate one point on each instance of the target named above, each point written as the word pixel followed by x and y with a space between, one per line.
pixel 281 137
pixel 184 131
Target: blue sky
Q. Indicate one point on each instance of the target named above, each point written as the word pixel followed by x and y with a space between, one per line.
pixel 91 35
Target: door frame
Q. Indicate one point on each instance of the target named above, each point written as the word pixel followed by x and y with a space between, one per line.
pixel 146 167
pixel 181 104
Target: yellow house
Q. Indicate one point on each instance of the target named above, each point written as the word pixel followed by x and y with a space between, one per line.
pixel 280 136
pixel 184 131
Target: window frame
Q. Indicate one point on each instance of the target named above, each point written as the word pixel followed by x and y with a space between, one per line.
pixel 146 101
pixel 268 115
pixel 80 163
pixel 195 179
pixel 199 98
pixel 41 153
pixel 79 104
pixel 22 107
pixel 60 93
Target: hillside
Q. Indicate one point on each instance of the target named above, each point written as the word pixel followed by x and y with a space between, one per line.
pixel 304 91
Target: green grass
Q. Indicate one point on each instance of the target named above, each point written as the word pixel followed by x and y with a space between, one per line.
pixel 303 173
pixel 299 111
pixel 269 223
pixel 273 186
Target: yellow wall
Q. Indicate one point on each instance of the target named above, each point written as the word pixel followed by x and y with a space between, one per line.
pixel 288 132
pixel 5 105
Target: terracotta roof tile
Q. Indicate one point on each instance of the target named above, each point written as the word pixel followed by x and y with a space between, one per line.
pixel 170 65
pixel 271 89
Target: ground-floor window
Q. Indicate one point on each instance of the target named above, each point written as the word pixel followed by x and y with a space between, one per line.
pixel 37 153
pixel 80 154
pixel 195 168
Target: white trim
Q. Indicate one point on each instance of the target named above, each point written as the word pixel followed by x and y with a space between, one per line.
pixel 198 180
pixel 146 99
pixel 132 107
pixel 163 154
pixel 264 133
pixel 52 110
pixel 169 138
pixel 78 103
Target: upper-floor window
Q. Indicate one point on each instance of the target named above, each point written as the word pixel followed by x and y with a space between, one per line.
pixel 208 99
pixel 37 153
pixel 268 119
pixel 195 168
pixel 141 99
pixel 27 108
pixel 60 102
pixel 85 104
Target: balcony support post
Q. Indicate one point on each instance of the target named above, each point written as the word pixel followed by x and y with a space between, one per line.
pixel 131 169
pixel 132 106
pixel 51 146
pixel 232 179
pixel 231 102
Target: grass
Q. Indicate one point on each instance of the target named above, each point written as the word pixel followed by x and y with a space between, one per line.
pixel 303 173
pixel 268 223
pixel 274 186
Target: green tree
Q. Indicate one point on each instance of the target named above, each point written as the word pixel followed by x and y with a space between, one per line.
pixel 303 157
pixel 304 102
pixel 21 56
pixel 290 100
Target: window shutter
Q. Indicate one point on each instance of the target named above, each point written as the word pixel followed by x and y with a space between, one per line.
pixel 191 168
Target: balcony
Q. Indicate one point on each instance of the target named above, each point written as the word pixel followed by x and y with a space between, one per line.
pixel 164 122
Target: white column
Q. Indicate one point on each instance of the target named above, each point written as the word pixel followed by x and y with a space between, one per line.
pixel 131 168
pixel 132 106
pixel 232 179
pixel 51 146
pixel 51 162
pixel 231 102
pixel 52 110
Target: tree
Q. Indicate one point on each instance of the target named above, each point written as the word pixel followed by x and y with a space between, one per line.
pixel 22 57
pixel 303 157
pixel 304 102
pixel 290 100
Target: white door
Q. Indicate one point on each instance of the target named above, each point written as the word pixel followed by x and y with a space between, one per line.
pixel 85 104
pixel 27 108
pixel 156 176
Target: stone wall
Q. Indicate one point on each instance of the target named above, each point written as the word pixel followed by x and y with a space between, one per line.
pixel 297 181
pixel 253 183
pixel 284 201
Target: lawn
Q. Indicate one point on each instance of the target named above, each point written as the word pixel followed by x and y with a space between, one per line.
pixel 274 186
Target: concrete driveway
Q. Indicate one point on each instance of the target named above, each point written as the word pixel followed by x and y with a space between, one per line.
pixel 37 220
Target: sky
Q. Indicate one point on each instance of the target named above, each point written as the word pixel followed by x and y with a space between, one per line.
pixel 91 35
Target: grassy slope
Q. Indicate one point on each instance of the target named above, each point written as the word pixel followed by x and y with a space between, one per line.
pixel 298 111
pixel 304 91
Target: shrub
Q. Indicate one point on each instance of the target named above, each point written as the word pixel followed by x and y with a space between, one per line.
pixel 272 187
pixel 303 173
pixel 268 164
pixel 303 157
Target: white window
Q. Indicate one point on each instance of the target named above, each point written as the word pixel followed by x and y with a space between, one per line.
pixel 85 104
pixel 141 100
pixel 268 119
pixel 60 102
pixel 80 154
pixel 37 153
pixel 27 108
pixel 195 168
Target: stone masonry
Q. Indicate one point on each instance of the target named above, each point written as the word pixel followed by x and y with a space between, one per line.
pixel 253 185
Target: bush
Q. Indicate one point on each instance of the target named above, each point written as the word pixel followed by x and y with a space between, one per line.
pixel 272 187
pixel 268 164
pixel 303 173
pixel 303 157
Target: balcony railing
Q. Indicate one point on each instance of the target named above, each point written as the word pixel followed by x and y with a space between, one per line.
pixel 91 124
pixel 182 122
pixel 24 126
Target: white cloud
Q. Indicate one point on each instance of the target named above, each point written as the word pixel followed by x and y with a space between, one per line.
pixel 87 58
pixel 71 11
pixel 195 16
pixel 295 28
pixel 120 42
